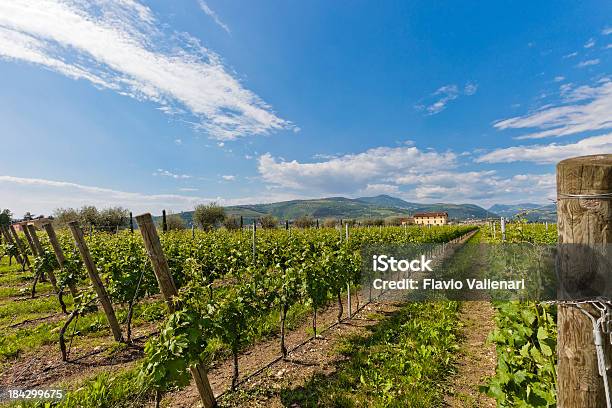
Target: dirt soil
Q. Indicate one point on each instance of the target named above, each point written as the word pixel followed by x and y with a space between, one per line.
pixel 477 360
pixel 315 356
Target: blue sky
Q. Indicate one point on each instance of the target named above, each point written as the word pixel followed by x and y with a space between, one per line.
pixel 153 105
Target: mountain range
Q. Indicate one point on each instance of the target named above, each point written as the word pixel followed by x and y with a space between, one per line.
pixel 380 206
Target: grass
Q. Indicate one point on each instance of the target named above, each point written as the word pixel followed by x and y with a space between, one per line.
pixel 403 362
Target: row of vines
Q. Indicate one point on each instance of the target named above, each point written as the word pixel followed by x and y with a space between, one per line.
pixel 525 336
pixel 228 289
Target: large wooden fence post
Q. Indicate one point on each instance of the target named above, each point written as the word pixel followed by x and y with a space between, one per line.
pixel 584 212
pixel 59 254
pixel 79 239
pixel 169 291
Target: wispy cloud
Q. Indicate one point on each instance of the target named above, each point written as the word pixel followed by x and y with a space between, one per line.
pixel 588 63
pixel 585 108
pixel 211 13
pixel 120 45
pixel 51 194
pixel 166 173
pixel 607 31
pixel 590 43
pixel 559 78
pixel 228 177
pixel 571 55
pixel 438 100
pixel 549 153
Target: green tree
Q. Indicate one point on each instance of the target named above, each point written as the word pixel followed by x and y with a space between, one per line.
pixel 232 222
pixel 268 222
pixel 209 216
pixel 175 222
pixel 5 216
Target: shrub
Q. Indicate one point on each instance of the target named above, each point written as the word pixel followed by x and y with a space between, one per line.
pixel 304 221
pixel 232 222
pixel 175 222
pixel 268 222
pixel 209 216
pixel 330 223
pixel 370 222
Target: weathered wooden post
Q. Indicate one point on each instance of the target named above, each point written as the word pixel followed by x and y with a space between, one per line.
pixel 192 232
pixel 348 284
pixel 35 253
pixel 164 221
pixel 317 223
pixel 169 291
pixel 241 222
pixel 41 252
pixel 79 239
pixel 503 228
pixel 59 254
pixel 287 225
pixel 131 223
pixel 20 248
pixel 584 217
pixel 254 240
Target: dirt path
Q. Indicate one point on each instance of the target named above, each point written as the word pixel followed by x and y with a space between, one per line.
pixel 316 356
pixel 477 359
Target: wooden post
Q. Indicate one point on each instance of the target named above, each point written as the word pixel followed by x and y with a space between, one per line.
pixel 10 241
pixel 287 224
pixel 503 228
pixel 131 223
pixel 79 239
pixel 192 232
pixel 20 248
pixel 59 254
pixel 164 221
pixel 317 223
pixel 41 252
pixel 348 285
pixel 169 291
pixel 26 232
pixel 241 222
pixel 254 240
pixel 585 220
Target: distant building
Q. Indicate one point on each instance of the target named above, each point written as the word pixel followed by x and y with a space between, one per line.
pixel 431 218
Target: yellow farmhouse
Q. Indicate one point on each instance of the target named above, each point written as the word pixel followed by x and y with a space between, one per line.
pixel 431 218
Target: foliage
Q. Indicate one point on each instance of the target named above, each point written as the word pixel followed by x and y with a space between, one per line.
pixel 232 222
pixel 5 217
pixel 304 221
pixel 403 363
pixel 525 336
pixel 208 216
pixel 175 222
pixel 268 222
pixel 107 219
pixel 371 222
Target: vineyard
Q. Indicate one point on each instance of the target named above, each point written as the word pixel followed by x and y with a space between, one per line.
pixel 236 291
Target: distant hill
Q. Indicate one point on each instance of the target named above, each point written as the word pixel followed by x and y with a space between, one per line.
pixel 381 206
pixel 532 212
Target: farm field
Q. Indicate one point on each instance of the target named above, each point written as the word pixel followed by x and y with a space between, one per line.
pixel 237 314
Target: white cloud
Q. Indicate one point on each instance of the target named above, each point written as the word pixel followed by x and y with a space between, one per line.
pixel 438 100
pixel 470 88
pixel 405 172
pixel 188 189
pixel 211 13
pixel 50 194
pixel 590 43
pixel 549 153
pixel 607 31
pixel 228 177
pixel 559 78
pixel 120 45
pixel 352 172
pixel 588 63
pixel 166 173
pixel 593 113
pixel 571 54
pixel 178 141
